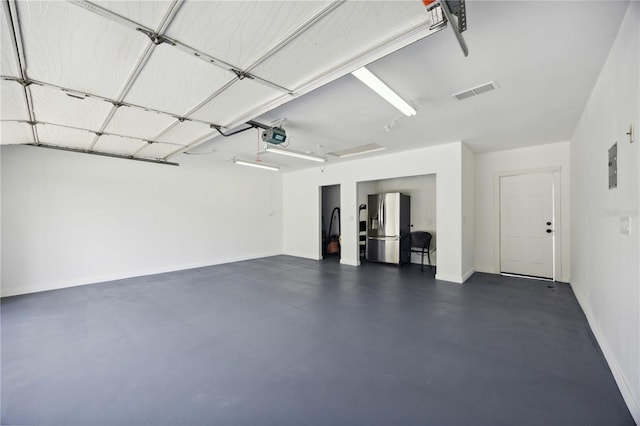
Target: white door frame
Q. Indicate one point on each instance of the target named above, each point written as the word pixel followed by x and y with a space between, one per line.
pixel 557 225
pixel 320 224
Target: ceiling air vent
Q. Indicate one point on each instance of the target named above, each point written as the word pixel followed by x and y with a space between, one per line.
pixel 483 88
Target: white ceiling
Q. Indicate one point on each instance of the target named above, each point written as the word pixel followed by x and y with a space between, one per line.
pixel 151 79
pixel 545 56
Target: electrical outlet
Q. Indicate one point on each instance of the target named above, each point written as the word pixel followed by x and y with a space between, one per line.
pixel 625 225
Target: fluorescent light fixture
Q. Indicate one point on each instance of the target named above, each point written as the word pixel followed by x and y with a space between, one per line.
pixel 358 150
pixel 375 84
pixel 256 164
pixel 292 153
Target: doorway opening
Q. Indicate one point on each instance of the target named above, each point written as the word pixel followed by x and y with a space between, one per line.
pixel 529 224
pixel 331 227
pixel 422 190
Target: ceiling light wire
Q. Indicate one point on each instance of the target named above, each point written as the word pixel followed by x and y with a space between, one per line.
pixel 389 126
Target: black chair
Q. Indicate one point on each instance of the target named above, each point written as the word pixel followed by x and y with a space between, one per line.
pixel 420 243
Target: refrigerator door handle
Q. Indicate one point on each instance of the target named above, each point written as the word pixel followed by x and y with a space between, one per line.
pixel 379 216
pixel 384 238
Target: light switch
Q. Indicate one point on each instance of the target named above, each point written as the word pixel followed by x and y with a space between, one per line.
pixel 625 226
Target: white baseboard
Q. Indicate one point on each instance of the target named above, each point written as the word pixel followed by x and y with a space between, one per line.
pixel 303 255
pixel 629 398
pixel 468 274
pixel 485 269
pixel 451 278
pixel 455 279
pixel 35 288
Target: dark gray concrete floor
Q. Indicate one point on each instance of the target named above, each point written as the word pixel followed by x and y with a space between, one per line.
pixel 289 341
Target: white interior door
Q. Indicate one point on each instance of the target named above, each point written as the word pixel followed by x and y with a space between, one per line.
pixel 526 224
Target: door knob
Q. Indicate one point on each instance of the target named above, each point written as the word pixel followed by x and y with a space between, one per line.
pixel 548 231
pixel 548 223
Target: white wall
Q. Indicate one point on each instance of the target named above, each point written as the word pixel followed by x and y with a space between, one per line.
pixel 300 202
pixel 70 219
pixel 422 190
pixel 606 275
pixel 487 166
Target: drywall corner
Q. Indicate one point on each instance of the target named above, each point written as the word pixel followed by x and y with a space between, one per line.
pixel 468 209
pixel 454 279
pixel 468 274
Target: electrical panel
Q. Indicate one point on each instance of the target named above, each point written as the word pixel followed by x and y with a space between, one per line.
pixel 613 166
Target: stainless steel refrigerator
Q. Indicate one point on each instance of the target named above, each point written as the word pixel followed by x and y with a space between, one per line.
pixel 388 220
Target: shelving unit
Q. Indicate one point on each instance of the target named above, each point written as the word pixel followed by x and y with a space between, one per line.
pixel 362 236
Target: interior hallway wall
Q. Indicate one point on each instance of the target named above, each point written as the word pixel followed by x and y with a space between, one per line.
pixel 301 210
pixel 605 267
pixel 531 158
pixel 70 219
